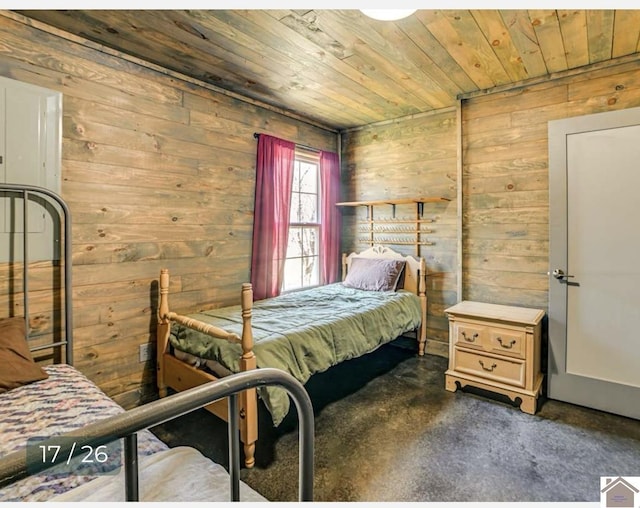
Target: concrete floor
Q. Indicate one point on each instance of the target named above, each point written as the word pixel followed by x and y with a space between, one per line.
pixel 386 430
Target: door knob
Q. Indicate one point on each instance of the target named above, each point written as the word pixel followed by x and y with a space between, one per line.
pixel 559 274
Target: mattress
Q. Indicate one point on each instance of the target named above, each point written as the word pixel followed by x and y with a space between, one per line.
pixel 66 401
pixel 181 474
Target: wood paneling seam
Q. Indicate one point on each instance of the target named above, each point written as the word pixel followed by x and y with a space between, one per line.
pixel 459 198
pixel 556 76
pixel 401 119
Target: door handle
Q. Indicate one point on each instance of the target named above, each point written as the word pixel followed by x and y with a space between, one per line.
pixel 563 277
pixel 559 274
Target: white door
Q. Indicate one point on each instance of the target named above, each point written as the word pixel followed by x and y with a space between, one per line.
pixel 30 140
pixel 594 283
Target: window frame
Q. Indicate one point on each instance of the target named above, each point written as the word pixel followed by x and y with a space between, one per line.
pixel 303 155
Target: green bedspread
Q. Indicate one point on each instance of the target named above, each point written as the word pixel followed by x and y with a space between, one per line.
pixel 305 332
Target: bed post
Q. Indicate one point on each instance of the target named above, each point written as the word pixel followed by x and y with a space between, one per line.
pixel 248 398
pixel 344 266
pixel 422 293
pixel 163 330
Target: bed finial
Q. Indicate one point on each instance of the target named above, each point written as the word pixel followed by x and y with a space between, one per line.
pixel 247 306
pixel 163 304
pixel 344 266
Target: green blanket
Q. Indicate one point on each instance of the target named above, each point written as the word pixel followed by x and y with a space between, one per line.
pixel 305 332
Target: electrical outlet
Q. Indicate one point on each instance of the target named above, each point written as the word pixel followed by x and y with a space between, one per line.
pixel 146 352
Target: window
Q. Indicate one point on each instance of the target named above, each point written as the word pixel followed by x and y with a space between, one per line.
pixel 302 264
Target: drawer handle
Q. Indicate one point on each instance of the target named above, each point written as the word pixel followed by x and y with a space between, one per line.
pixel 472 339
pixel 506 346
pixel 488 369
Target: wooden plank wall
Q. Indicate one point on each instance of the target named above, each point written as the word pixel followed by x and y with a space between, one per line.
pixel 158 172
pixel 505 179
pixel 403 159
pixel 505 205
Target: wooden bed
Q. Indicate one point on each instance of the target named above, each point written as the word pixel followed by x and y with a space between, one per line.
pixel 49 413
pixel 187 371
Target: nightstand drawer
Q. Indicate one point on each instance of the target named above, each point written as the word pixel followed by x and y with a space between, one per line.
pixel 507 342
pixel 502 370
pixel 468 335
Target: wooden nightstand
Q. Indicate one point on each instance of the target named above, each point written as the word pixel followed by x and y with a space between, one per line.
pixel 496 348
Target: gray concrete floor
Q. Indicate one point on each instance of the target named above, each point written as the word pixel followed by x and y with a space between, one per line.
pixel 386 430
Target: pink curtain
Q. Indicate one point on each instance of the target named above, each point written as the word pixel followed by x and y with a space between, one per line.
pixel 331 217
pixel 274 176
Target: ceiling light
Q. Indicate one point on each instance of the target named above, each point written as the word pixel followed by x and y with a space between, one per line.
pixel 387 14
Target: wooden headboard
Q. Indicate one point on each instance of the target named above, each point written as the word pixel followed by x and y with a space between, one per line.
pixel 415 269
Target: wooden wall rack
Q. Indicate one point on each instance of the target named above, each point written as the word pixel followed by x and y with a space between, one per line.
pixel 393 230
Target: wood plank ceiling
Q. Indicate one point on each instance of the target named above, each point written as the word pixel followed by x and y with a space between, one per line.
pixel 341 69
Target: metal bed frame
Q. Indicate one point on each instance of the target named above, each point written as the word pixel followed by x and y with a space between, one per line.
pixel 26 191
pixel 125 425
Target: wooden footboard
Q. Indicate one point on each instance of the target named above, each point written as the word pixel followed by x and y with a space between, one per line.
pixel 175 374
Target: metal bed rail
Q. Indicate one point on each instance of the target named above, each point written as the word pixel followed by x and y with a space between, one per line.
pixel 26 191
pixel 125 425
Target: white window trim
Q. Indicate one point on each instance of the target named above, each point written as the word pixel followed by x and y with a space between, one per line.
pixel 312 157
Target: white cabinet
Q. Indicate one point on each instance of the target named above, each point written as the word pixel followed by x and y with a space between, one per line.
pixel 30 147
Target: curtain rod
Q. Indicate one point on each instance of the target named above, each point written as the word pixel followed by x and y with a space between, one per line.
pixel 306 147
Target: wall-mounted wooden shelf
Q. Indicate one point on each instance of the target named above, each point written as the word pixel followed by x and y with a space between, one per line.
pixel 401 235
pixel 401 201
